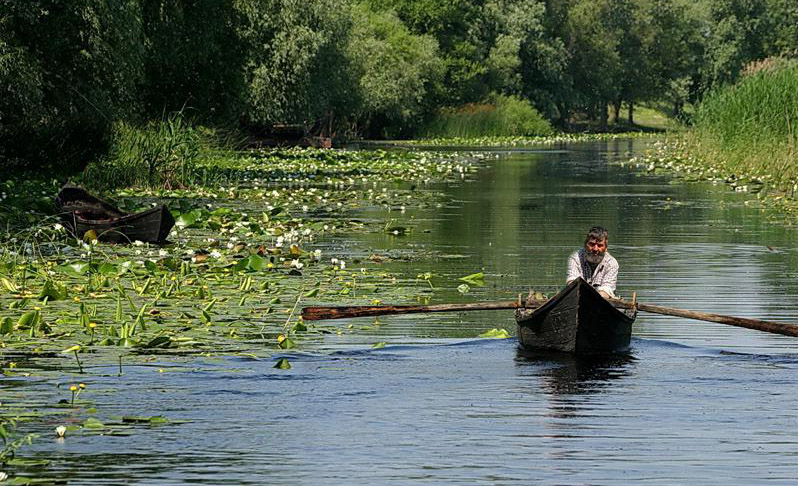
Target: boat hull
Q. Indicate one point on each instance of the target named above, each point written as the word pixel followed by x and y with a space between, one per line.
pixel 576 320
pixel 82 212
pixel 150 226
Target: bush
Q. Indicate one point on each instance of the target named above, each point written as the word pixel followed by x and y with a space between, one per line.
pixel 501 116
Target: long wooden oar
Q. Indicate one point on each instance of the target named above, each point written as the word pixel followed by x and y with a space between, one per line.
pixel 319 313
pixel 766 326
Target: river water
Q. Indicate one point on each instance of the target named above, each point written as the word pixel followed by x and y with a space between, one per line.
pixel 693 402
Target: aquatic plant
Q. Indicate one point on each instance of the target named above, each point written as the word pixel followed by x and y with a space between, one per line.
pixel 517 141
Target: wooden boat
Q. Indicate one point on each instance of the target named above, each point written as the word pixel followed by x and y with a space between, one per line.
pixel 81 212
pixel 576 320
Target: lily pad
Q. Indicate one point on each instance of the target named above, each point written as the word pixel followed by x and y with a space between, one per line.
pixel 283 364
pixel 477 279
pixel 495 334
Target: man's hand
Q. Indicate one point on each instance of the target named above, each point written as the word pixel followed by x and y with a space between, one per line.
pixel 604 294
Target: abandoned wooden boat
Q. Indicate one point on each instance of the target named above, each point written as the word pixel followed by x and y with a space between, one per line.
pixel 81 212
pixel 576 320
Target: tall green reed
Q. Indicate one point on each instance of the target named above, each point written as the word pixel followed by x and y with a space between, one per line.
pixel 161 153
pixel 752 127
pixel 499 116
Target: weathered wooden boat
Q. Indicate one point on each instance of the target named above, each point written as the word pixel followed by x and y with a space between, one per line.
pixel 576 320
pixel 82 212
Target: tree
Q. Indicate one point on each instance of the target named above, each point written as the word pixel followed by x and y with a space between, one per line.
pixel 595 62
pixel 69 69
pixel 296 69
pixel 194 58
pixel 393 69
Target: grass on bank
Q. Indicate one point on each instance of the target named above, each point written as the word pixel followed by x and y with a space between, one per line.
pixel 160 154
pixel 499 116
pixel 751 129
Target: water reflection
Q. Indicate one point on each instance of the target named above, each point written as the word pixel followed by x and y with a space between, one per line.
pixel 566 379
pixel 569 374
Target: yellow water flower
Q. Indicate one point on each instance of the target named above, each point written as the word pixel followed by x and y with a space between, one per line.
pixel 82 386
pixel 73 388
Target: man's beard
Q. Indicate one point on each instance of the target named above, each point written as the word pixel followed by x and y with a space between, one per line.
pixel 594 258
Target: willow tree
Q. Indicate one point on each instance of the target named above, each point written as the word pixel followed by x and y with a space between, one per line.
pixel 296 69
pixel 393 69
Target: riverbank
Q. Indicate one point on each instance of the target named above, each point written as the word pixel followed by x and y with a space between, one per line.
pixel 677 156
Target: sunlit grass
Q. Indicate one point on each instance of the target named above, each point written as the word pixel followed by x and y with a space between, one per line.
pixel 500 116
pixel 751 129
pixel 161 153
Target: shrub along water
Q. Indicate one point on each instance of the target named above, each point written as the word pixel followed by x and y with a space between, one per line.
pixel 750 130
pixel 500 116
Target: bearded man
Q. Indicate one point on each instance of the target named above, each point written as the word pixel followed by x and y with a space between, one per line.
pixel 594 264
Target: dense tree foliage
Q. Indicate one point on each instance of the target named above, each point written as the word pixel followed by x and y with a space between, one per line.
pixel 72 70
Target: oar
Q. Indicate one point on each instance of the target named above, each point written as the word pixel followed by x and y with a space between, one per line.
pixel 766 326
pixel 318 313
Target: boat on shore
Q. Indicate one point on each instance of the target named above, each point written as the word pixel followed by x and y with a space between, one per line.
pixel 82 212
pixel 576 320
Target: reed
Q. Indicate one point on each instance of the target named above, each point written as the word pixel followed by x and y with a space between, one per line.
pixel 500 116
pixel 750 130
pixel 161 153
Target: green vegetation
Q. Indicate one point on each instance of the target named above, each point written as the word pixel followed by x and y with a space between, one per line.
pixel 80 78
pixel 504 116
pixel 244 254
pixel 744 135
pixel 160 154
pixel 751 128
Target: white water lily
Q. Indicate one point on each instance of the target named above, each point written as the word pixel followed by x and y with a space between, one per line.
pixel 297 264
pixel 3 476
pixel 216 254
pixel 138 243
pixel 162 253
pixel 60 431
pixel 58 227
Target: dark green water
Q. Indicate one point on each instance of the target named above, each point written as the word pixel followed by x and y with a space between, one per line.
pixel 694 402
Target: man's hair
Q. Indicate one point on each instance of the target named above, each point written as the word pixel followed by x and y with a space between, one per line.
pixel 598 233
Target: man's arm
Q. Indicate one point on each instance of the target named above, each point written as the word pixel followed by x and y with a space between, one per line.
pixel 609 277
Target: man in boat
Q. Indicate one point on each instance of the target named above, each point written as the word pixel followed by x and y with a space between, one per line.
pixel 594 263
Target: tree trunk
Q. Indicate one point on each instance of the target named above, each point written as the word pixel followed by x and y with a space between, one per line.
pixel 617 108
pixel 605 114
pixel 631 113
